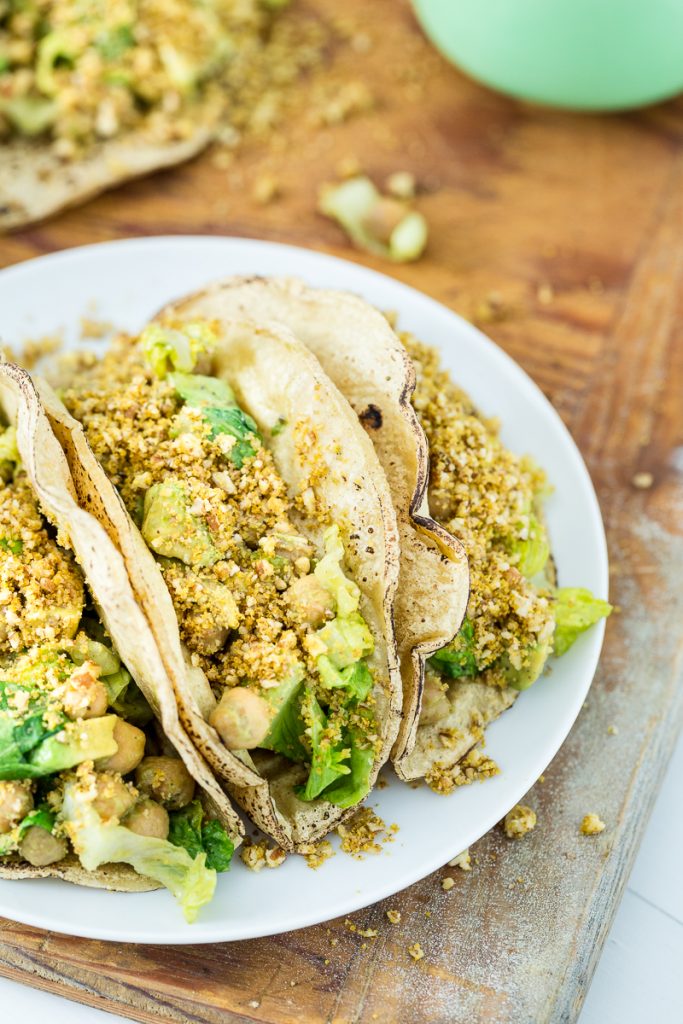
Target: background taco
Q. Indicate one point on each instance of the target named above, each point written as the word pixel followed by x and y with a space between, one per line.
pixel 266 559
pixel 92 95
pixel 91 788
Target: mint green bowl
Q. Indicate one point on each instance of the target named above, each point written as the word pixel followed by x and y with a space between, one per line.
pixel 580 54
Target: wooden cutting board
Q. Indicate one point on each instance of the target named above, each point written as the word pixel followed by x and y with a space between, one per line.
pixel 562 235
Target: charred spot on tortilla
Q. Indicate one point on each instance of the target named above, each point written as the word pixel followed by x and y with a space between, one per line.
pixel 371 417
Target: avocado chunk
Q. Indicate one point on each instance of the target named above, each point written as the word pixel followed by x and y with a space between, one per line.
pixel 522 678
pixel 171 530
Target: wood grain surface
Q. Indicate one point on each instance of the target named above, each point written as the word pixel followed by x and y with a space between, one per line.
pixel 562 235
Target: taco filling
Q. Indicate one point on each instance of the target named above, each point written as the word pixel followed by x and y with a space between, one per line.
pixel 492 501
pixel 256 573
pixel 82 771
pixel 78 74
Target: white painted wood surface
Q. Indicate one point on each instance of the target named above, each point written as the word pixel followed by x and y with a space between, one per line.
pixel 640 975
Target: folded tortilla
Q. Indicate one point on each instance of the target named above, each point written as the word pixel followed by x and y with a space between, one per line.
pixel 34 183
pixel 133 639
pixel 273 374
pixel 363 356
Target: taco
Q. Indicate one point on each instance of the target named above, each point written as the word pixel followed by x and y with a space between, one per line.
pixel 484 501
pixel 266 557
pixel 362 355
pixel 92 788
pixel 92 95
pixel 492 500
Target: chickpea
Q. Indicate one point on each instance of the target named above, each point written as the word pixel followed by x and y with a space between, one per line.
pixel 148 818
pixel 309 601
pixel 131 749
pixel 435 703
pixel 84 695
pixel 16 800
pixel 242 718
pixel 114 797
pixel 167 780
pixel 39 847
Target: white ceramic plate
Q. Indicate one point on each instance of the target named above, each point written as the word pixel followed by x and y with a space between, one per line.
pixel 127 281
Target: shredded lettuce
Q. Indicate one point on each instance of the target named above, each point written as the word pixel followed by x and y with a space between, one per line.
pixel 457 659
pixel 189 831
pixel 576 610
pixel 41 817
pixel 96 842
pixel 329 573
pixel 127 699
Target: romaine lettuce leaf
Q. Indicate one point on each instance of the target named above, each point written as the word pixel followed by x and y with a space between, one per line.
pixel 327 760
pixel 355 786
pixel 96 842
pixel 127 699
pixel 576 610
